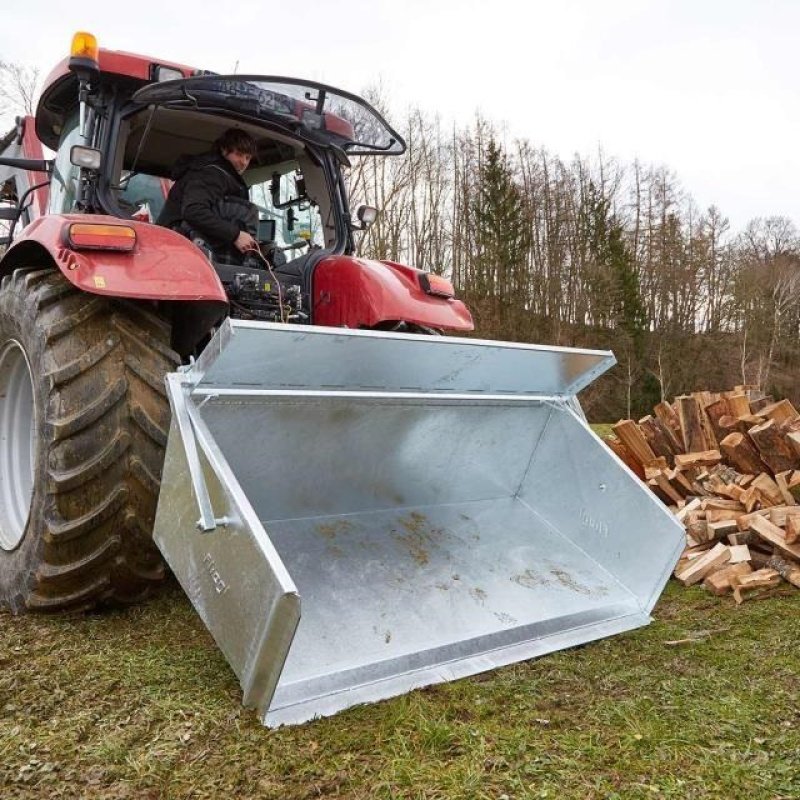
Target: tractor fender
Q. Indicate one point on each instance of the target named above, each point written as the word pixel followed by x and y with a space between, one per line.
pixel 359 292
pixel 162 266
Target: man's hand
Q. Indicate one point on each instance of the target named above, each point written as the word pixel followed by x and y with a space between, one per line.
pixel 244 242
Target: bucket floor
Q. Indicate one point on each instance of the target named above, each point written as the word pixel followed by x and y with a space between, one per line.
pixel 388 593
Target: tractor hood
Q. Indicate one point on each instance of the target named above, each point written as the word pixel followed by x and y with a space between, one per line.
pixel 312 111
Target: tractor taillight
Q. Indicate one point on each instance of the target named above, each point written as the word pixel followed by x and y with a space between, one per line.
pixel 436 284
pixel 90 236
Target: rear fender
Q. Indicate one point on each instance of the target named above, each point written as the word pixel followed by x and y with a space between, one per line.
pixel 163 266
pixel 360 293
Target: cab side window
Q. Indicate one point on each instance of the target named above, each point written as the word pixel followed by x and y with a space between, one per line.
pixel 64 183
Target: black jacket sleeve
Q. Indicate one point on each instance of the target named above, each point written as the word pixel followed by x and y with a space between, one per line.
pixel 203 189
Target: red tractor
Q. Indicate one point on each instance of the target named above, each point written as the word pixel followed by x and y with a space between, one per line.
pixel 355 508
pixel 98 303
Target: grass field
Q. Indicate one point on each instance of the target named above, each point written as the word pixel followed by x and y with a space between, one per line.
pixel 139 703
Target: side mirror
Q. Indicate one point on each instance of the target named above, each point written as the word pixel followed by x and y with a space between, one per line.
pixel 85 157
pixel 290 219
pixel 9 213
pixel 366 216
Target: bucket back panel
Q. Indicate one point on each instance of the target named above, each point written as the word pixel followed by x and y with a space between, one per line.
pixel 309 457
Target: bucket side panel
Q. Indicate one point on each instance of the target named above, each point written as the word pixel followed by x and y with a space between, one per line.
pixel 579 487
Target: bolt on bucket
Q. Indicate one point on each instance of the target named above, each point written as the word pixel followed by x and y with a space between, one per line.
pixel 356 514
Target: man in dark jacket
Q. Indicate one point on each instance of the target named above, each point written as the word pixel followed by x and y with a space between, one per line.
pixel 210 200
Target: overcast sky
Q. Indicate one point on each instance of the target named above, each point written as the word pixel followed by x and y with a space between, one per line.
pixel 708 88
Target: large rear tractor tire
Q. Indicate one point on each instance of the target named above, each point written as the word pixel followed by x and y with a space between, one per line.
pixel 83 427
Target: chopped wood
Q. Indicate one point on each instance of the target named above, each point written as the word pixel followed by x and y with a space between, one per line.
pixel 782 411
pixel 659 438
pixel 719 583
pixel 768 492
pixel 627 431
pixel 760 579
pixel 739 405
pixel 665 488
pixel 666 414
pixel 740 451
pixel 626 457
pixel 714 515
pixel 692 505
pixel 778 515
pixel 704 458
pixel 743 521
pixel 782 479
pixel 750 498
pixel 699 532
pixel 730 424
pixel 694 440
pixel 793 440
pixel 720 502
pixel 775 452
pixel 715 411
pixel 721 528
pixel 793 529
pixel 680 483
pixel 739 553
pixel 741 537
pixel 788 570
pixel 793 484
pixel 775 536
pixel 744 480
pixel 700 567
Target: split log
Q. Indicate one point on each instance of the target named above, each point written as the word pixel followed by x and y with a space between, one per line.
pixel 731 424
pixel 782 411
pixel 626 457
pixel 694 505
pixel 697 569
pixel 718 530
pixel 782 479
pixel 760 579
pixel 741 453
pixel 739 553
pixel 666 414
pixel 696 459
pixel 715 411
pixel 694 440
pixel 768 492
pixel 779 515
pixel 787 570
pixel 738 404
pixel 775 451
pixel 773 535
pixel 793 530
pixel 793 440
pixel 719 583
pixel 627 431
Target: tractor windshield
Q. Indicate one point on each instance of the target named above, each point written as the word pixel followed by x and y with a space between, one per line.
pixel 311 111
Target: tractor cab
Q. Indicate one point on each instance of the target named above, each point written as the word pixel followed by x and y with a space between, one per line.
pixel 121 159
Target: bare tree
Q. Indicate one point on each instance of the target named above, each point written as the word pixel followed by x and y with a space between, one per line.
pixel 19 86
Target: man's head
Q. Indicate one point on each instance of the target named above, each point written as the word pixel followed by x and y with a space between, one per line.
pixel 238 147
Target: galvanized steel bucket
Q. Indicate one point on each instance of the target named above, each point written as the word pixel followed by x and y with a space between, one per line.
pixel 356 514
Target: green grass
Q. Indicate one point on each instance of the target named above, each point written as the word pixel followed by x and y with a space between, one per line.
pixel 139 703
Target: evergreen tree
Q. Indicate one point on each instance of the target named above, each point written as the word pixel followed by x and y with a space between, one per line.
pixel 501 229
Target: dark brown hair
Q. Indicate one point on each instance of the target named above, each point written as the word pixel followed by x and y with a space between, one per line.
pixel 238 140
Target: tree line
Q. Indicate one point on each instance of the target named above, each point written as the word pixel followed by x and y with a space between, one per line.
pixel 591 252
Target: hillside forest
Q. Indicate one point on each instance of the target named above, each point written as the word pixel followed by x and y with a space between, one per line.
pixel 591 252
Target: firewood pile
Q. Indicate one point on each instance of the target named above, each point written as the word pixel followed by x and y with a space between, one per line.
pixel 728 465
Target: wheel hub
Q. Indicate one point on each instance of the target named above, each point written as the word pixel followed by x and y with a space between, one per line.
pixel 17 443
